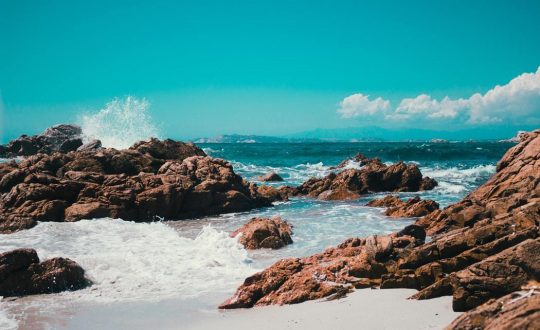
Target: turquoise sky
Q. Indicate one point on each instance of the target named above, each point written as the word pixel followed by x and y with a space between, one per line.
pixel 265 67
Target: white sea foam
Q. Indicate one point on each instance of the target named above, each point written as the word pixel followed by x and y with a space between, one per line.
pixel 6 321
pixel 120 123
pixel 130 261
pixel 455 181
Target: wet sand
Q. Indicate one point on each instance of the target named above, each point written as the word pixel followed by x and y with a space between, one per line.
pixel 366 309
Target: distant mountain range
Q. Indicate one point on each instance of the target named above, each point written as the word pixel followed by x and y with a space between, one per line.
pixel 374 134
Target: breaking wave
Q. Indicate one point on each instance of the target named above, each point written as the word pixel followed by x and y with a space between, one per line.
pixel 120 123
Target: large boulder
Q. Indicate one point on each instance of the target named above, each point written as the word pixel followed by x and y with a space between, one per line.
pixel 151 180
pixel 270 233
pixel 21 274
pixel 62 138
pixel 373 176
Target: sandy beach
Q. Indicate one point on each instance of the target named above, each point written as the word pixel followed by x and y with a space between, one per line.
pixel 366 308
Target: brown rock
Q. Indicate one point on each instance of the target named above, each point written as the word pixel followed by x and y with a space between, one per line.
pixel 149 181
pixel 414 207
pixel 22 274
pixel 270 176
pixel 374 176
pixel 271 233
pixel 518 310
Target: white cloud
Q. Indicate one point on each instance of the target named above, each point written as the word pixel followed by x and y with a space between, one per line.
pixel 516 102
pixel 359 105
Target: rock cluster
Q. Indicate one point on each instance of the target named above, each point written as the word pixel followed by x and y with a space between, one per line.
pixel 373 176
pixel 270 233
pixel 414 207
pixel 21 273
pixel 150 180
pixel 61 138
pixel 485 247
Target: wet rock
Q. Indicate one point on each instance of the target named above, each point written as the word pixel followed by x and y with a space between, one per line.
pixel 518 310
pixel 21 273
pixel 270 233
pixel 151 180
pixel 414 207
pixel 270 177
pixel 374 176
pixel 62 138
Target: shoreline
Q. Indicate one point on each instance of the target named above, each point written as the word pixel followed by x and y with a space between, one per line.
pixel 370 308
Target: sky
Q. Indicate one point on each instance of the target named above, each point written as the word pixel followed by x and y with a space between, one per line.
pixel 271 67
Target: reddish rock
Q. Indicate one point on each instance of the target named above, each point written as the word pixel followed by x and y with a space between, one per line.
pixel 270 233
pixel 21 273
pixel 149 181
pixel 62 138
pixel 414 207
pixel 485 247
pixel 374 176
pixel 270 177
pixel 518 310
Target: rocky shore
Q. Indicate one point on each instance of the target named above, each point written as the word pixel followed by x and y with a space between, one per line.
pixel 149 181
pixel 482 248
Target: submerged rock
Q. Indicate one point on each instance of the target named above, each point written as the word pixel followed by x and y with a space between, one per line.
pixel 373 176
pixel 485 247
pixel 270 177
pixel 270 233
pixel 21 274
pixel 414 207
pixel 62 138
pixel 151 180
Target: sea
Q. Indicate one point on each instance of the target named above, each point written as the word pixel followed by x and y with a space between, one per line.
pixel 195 264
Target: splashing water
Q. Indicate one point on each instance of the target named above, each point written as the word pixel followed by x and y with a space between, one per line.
pixel 120 124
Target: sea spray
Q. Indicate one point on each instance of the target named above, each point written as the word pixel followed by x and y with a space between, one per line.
pixel 120 123
pixel 128 261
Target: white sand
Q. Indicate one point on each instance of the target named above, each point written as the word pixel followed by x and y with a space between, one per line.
pixel 362 309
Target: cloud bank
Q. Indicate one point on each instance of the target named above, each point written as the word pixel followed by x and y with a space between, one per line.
pixel 517 102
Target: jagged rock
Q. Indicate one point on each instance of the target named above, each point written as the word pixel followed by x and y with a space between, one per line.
pixel 270 177
pixel 91 145
pixel 414 207
pixel 21 273
pixel 485 247
pixel 513 190
pixel 518 310
pixel 62 138
pixel 270 233
pixel 374 176
pixel 151 180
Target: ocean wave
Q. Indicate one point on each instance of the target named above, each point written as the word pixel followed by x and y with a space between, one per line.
pixel 292 175
pixel 7 322
pixel 120 124
pixel 130 261
pixel 454 181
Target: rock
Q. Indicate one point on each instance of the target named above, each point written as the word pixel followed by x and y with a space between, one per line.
pixel 270 233
pixel 414 207
pixel 62 138
pixel 151 180
pixel 359 158
pixel 273 193
pixel 484 248
pixel 518 310
pixel 21 273
pixel 270 177
pixel 91 145
pixel 374 176
pixel 511 191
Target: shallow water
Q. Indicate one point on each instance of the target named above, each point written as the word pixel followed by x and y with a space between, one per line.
pixel 196 263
